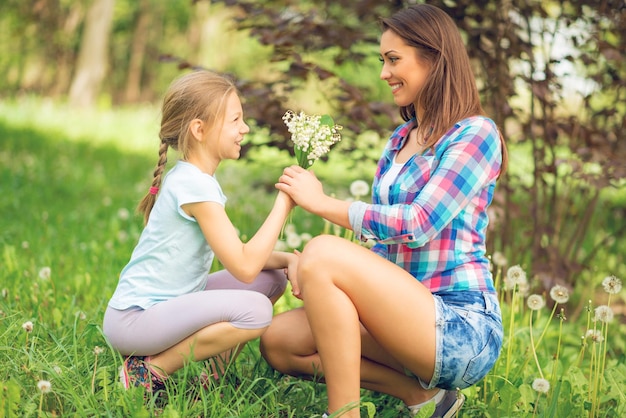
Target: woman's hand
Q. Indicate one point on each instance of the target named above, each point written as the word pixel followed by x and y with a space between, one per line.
pixel 302 185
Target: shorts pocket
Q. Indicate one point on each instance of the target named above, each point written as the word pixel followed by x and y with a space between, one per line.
pixel 483 362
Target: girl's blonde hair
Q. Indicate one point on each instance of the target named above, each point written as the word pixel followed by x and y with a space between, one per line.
pixel 197 95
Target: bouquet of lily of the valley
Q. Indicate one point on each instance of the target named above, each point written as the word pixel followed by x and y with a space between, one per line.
pixel 312 136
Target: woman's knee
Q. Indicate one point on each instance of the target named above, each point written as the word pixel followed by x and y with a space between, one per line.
pixel 318 254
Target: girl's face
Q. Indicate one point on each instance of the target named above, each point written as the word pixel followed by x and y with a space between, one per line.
pixel 402 69
pixel 226 139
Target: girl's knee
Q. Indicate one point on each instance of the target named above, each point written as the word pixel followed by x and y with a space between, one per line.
pixel 255 312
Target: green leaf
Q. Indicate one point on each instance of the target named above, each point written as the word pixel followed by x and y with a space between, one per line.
pixel 327 120
pixel 301 157
pixel 9 399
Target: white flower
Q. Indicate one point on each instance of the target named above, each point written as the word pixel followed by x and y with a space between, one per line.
pixel 306 237
pixel 515 275
pixel 27 326
pixel 44 273
pixel 535 302
pixel 604 314
pixel 359 188
pixel 44 386
pixel 499 260
pixel 559 294
pixel 312 135
pixel 594 335
pixel 98 350
pixel 541 385
pixel 57 369
pixel 612 285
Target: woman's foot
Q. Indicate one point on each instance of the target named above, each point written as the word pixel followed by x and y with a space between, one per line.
pixel 448 404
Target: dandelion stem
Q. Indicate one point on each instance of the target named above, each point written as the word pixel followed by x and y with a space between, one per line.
pixel 545 329
pixel 532 345
pixel 511 327
pixel 93 378
pixel 558 348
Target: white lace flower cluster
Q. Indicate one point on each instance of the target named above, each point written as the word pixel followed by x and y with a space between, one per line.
pixel 312 135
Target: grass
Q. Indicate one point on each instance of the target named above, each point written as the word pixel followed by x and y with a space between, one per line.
pixel 69 183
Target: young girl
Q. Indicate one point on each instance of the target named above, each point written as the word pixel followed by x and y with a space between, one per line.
pixel 417 317
pixel 167 310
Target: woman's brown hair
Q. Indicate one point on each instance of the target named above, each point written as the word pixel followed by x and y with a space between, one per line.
pixel 450 93
pixel 197 95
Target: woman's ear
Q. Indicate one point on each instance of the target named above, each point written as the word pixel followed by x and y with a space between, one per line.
pixel 196 128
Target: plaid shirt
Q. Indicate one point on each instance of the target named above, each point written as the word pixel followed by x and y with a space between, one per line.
pixel 434 225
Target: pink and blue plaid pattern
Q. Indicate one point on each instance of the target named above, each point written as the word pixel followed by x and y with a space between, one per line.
pixel 435 224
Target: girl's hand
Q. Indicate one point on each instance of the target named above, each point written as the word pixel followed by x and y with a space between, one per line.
pixel 291 273
pixel 284 199
pixel 302 185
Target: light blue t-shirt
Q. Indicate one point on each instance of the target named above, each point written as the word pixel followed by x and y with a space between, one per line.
pixel 172 256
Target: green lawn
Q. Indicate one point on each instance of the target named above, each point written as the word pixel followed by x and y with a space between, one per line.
pixel 70 181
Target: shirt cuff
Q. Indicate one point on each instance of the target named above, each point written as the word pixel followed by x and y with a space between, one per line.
pixel 356 213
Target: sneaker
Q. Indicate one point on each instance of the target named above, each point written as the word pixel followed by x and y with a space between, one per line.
pixel 135 372
pixel 450 405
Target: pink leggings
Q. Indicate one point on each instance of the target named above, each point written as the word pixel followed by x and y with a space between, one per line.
pixel 150 331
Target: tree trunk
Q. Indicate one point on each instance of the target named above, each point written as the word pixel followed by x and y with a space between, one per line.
pixel 138 52
pixel 93 55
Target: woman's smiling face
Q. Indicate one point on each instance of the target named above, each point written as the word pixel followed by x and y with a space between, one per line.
pixel 402 69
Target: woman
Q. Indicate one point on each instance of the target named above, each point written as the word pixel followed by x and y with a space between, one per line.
pixel 417 317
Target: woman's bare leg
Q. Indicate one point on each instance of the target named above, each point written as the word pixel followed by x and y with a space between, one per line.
pixel 289 347
pixel 344 285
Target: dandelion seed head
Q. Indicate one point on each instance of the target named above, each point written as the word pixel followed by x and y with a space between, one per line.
pixel 45 273
pixel 541 385
pixel 515 275
pixel 559 294
pixel 612 285
pixel 535 302
pixel 293 240
pixel 523 288
pixel 594 335
pixel 499 260
pixel 27 326
pixel 280 246
pixel 44 386
pixel 359 188
pixel 123 214
pixel 603 313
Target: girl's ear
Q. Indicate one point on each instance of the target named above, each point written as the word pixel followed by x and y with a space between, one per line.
pixel 196 128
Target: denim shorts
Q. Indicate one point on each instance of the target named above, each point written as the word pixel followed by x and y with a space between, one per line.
pixel 469 338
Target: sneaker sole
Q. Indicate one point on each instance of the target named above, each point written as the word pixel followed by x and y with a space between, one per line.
pixel 456 406
pixel 124 377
